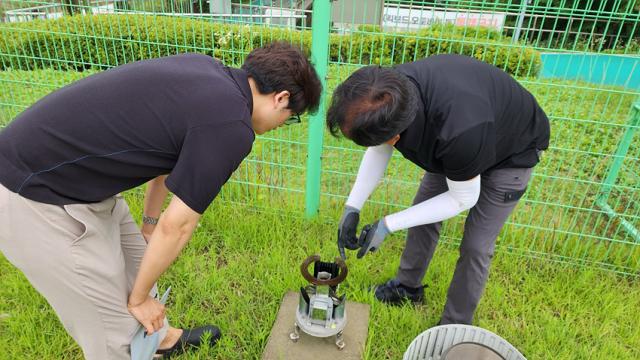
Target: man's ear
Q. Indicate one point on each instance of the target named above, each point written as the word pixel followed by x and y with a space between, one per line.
pixel 393 140
pixel 281 99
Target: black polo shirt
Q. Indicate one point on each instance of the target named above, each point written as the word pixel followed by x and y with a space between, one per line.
pixel 187 115
pixel 472 117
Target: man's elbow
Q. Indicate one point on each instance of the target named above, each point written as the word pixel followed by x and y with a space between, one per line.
pixel 176 229
pixel 467 202
pixel 171 228
pixel 465 193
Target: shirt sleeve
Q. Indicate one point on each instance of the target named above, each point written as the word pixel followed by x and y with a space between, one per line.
pixel 460 197
pixel 208 157
pixel 372 168
pixel 472 151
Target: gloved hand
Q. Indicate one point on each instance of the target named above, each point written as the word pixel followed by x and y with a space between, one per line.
pixel 371 237
pixel 347 230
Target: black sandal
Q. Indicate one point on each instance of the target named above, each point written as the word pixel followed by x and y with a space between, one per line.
pixel 190 338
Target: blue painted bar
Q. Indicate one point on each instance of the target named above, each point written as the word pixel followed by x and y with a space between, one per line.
pixel 618 70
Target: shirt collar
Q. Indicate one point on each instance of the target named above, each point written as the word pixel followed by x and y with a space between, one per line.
pixel 242 79
pixel 412 136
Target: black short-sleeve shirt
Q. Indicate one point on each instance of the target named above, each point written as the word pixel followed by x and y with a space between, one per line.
pixel 472 117
pixel 187 115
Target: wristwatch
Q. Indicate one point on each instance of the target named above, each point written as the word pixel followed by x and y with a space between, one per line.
pixel 149 220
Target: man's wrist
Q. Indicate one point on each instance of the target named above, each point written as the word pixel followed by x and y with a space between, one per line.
pixel 135 301
pixel 383 223
pixel 350 209
pixel 149 220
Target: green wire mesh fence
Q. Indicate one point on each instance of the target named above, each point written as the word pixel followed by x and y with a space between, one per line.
pixel 581 59
pixel 582 204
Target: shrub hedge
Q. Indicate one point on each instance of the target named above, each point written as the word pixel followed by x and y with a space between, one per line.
pixel 102 41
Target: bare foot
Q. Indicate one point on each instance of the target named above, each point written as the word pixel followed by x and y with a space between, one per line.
pixel 171 339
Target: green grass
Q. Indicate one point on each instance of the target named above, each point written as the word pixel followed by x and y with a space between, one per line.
pixel 234 272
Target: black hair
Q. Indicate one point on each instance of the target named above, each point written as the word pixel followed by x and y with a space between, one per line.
pixel 280 66
pixel 372 106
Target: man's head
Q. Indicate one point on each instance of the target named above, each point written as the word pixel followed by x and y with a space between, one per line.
pixel 283 83
pixel 373 106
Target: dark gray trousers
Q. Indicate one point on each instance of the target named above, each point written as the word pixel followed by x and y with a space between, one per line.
pixel 498 198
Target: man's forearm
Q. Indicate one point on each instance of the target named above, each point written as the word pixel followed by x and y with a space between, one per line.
pixel 154 198
pixel 462 195
pixel 372 168
pixel 164 246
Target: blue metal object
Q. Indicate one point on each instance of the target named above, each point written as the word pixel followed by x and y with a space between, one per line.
pixel 618 70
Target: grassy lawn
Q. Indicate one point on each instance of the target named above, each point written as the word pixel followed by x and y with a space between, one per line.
pixel 246 252
pixel 235 272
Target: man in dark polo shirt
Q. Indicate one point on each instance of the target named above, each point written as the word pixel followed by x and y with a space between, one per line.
pixel 475 131
pixel 184 121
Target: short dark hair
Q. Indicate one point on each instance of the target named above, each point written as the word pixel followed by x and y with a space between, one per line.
pixel 280 66
pixel 372 106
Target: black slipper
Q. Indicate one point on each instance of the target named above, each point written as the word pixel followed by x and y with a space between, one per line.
pixel 191 338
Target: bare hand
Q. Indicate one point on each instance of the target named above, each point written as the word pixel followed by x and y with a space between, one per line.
pixel 150 313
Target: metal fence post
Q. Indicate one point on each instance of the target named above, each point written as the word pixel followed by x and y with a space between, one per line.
pixel 523 11
pixel 612 176
pixel 321 16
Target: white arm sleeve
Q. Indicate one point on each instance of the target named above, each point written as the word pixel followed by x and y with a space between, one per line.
pixel 374 163
pixel 462 195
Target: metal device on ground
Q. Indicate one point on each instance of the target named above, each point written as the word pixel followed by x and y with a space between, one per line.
pixel 321 311
pixel 460 342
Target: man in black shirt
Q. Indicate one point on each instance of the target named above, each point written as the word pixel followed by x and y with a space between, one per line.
pixel 475 131
pixel 182 123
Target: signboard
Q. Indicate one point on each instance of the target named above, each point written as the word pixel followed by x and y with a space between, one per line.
pixel 280 16
pixel 407 19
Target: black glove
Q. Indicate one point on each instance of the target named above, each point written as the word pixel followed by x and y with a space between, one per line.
pixel 347 230
pixel 371 237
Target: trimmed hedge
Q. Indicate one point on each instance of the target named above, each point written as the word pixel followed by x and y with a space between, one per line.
pixel 102 41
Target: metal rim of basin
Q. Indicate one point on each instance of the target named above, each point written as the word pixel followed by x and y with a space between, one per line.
pixel 434 342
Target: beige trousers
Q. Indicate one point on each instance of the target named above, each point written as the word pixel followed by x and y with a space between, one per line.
pixel 83 258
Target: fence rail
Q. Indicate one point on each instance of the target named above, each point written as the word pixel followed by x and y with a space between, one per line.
pixel 583 204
